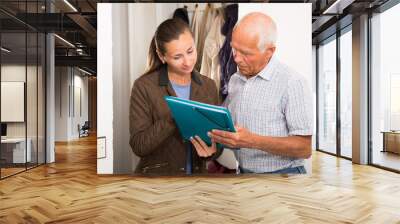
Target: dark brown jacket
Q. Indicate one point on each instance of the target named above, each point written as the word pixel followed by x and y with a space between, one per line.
pixel 154 136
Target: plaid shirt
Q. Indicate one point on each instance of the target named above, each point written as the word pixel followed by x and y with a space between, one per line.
pixel 276 102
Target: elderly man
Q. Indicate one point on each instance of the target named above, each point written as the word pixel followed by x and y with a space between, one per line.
pixel 269 102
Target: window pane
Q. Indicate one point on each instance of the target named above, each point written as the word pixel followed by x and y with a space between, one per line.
pixel 327 97
pixel 386 89
pixel 346 94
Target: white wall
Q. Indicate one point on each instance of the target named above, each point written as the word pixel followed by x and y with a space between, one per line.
pixel 80 83
pixel 122 153
pixel 144 19
pixel 293 45
pixel 105 85
pixel 61 104
pixel 67 116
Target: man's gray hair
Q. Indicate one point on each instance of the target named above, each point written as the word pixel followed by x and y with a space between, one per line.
pixel 267 37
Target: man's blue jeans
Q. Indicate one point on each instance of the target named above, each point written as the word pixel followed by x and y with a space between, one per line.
pixel 290 170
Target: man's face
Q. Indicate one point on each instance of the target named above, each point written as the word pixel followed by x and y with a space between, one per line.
pixel 247 55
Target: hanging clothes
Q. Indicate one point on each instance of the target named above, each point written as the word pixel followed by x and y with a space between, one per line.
pixel 210 65
pixel 181 13
pixel 195 26
pixel 205 26
pixel 228 65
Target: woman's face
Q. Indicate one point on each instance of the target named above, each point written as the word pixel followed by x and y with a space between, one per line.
pixel 181 54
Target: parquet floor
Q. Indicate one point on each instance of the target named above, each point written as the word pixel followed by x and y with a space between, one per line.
pixel 387 159
pixel 70 191
pixel 10 171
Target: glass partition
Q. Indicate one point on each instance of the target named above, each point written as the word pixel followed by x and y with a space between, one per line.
pixel 22 67
pixel 385 89
pixel 14 153
pixel 346 94
pixel 327 96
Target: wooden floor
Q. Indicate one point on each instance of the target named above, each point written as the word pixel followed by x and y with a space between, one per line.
pixel 387 159
pixel 70 191
pixel 8 171
pixel 5 172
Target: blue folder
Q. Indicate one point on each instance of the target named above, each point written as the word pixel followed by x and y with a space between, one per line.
pixel 195 118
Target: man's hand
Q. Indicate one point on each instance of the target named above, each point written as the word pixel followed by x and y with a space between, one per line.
pixel 242 138
pixel 290 146
pixel 203 150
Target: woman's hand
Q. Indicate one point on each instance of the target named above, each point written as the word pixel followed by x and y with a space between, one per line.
pixel 203 150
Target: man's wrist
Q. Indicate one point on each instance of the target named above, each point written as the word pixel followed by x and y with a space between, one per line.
pixel 254 141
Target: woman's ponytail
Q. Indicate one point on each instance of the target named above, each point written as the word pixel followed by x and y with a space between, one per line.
pixel 153 61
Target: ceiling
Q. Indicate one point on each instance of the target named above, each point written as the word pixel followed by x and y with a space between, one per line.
pixel 76 22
